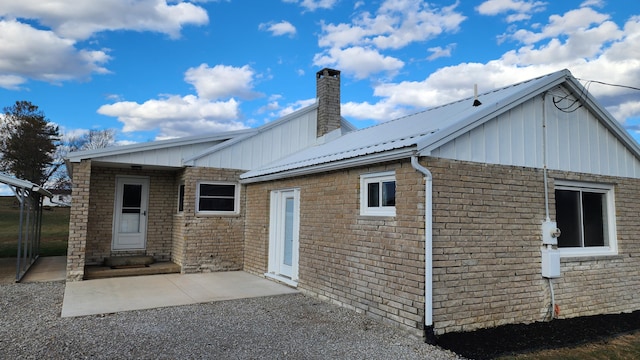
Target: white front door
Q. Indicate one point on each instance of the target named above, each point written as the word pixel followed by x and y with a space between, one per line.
pixel 130 213
pixel 284 234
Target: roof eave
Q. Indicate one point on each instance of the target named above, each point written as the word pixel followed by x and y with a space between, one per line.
pixel 608 120
pixel 78 156
pixel 392 155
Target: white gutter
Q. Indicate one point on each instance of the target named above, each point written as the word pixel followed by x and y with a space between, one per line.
pixel 428 242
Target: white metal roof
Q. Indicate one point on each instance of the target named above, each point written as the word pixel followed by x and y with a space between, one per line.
pixel 425 131
pixel 115 151
pixel 23 184
pixel 243 149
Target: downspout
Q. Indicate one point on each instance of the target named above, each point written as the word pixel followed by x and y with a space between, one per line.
pixel 428 250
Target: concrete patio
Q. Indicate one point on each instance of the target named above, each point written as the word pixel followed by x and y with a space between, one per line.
pixel 103 296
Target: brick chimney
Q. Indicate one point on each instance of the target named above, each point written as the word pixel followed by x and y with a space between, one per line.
pixel 328 93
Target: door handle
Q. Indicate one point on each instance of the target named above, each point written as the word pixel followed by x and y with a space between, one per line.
pixel 144 213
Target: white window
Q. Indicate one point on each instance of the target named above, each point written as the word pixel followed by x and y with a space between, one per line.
pixel 585 214
pixel 217 198
pixel 378 194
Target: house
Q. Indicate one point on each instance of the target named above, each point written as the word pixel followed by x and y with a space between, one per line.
pixel 442 221
pixel 61 197
pixel 180 200
pixel 446 220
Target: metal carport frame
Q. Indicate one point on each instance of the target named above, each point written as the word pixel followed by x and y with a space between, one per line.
pixel 30 197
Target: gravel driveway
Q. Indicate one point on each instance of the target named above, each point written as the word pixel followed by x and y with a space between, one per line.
pixel 278 327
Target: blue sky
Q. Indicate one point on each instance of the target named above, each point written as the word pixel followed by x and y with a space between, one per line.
pixel 156 69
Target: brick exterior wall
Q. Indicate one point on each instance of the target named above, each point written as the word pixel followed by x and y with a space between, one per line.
pixel 486 246
pixel 199 243
pixel 178 246
pixel 369 264
pixel 162 205
pixel 78 216
pixel 605 284
pixel 486 241
pixel 208 242
pixel 328 94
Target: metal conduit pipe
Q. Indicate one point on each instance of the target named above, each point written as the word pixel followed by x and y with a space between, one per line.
pixel 428 248
pixel 546 192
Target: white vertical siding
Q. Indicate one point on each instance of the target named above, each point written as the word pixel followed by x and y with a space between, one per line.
pixel 266 146
pixel 576 141
pixel 513 138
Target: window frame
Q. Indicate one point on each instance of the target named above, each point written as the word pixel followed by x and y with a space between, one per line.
pixel 609 222
pixel 365 180
pixel 236 198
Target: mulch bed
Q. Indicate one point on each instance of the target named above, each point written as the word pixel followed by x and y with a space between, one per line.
pixel 522 338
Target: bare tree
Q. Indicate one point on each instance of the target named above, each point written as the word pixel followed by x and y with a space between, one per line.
pixel 96 139
pixel 91 140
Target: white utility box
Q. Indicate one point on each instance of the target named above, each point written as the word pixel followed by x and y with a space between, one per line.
pixel 550 263
pixel 550 233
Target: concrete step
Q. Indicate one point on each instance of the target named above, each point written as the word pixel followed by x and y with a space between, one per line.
pixel 103 272
pixel 128 261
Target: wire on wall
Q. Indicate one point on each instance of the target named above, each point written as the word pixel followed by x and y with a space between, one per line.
pixel 572 106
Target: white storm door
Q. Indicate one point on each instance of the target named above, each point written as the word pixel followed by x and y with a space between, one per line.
pixel 284 234
pixel 130 213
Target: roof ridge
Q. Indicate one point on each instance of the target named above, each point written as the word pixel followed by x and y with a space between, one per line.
pixel 464 99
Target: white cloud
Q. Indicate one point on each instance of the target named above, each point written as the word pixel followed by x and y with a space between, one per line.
pixel 213 109
pixel 400 23
pixel 357 47
pixel 571 22
pixel 592 3
pixel 279 29
pixel 293 107
pixel 592 48
pixel 176 116
pixel 438 52
pixel 578 46
pixel 522 8
pixel 625 110
pixel 359 61
pixel 380 111
pixel 395 25
pixel 11 82
pixel 222 81
pixel 50 51
pixel 313 5
pixel 29 53
pixel 79 19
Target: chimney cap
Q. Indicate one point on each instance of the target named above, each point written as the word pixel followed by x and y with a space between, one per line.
pixel 328 72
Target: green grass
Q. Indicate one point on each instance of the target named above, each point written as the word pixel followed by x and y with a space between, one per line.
pixel 55 229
